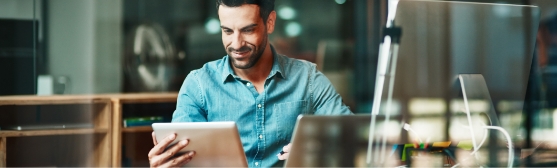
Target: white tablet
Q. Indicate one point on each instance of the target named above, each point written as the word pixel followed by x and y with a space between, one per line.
pixel 215 143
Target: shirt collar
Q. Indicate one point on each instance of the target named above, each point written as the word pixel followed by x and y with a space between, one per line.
pixel 277 69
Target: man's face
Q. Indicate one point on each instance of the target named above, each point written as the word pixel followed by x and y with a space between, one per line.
pixel 244 34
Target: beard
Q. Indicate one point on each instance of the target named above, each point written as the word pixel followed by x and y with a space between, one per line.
pixel 256 53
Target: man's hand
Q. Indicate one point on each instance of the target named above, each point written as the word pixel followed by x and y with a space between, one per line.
pixel 285 152
pixel 158 157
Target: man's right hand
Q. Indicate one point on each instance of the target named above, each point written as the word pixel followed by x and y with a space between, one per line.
pixel 159 157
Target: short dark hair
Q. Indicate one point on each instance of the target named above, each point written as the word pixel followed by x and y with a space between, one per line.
pixel 265 6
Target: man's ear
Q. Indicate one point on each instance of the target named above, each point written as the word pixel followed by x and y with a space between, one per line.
pixel 271 22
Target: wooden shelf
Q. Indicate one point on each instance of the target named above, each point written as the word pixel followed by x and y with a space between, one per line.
pixel 118 101
pixel 137 129
pixel 104 111
pixel 46 100
pixel 86 99
pixel 52 132
pixel 144 97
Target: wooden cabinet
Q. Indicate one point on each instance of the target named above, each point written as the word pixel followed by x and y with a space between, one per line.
pixel 55 131
pixel 132 144
pixel 75 130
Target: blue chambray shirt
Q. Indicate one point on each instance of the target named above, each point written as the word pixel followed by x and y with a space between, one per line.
pixel 265 120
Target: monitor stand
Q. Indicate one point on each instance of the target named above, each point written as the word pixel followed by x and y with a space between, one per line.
pixel 474 87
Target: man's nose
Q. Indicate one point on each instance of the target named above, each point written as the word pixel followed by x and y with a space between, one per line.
pixel 237 41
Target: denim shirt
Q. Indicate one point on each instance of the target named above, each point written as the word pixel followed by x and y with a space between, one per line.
pixel 265 120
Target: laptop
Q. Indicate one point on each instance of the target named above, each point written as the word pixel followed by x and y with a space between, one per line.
pixel 329 141
pixel 217 144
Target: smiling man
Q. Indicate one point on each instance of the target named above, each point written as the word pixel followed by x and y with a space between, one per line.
pixel 260 90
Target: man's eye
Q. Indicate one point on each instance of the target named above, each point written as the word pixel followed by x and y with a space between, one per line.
pixel 248 30
pixel 227 31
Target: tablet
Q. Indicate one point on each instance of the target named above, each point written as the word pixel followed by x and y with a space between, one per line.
pixel 215 143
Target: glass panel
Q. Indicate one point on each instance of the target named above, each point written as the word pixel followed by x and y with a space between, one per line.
pixel 109 46
pixel 441 40
pixel 94 47
pixel 91 47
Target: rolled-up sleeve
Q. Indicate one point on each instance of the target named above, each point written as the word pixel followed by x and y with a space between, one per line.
pixel 190 106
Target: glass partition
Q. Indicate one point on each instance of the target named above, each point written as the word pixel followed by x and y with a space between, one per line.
pixel 106 50
pixel 115 47
pixel 448 117
pixel 123 46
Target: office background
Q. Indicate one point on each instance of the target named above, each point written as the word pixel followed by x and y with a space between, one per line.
pixel 149 46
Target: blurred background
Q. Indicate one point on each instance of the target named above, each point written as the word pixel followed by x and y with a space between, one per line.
pixel 59 47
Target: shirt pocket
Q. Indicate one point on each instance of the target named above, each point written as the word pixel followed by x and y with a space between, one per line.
pixel 287 114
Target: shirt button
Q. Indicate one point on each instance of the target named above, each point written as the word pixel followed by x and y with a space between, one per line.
pixel 259 105
pixel 260 136
pixel 248 84
pixel 256 163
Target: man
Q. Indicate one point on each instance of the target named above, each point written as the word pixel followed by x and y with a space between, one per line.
pixel 262 91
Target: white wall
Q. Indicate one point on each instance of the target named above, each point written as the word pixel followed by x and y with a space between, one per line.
pixel 85 43
pixel 17 9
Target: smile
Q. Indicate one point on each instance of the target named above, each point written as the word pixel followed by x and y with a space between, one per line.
pixel 240 54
